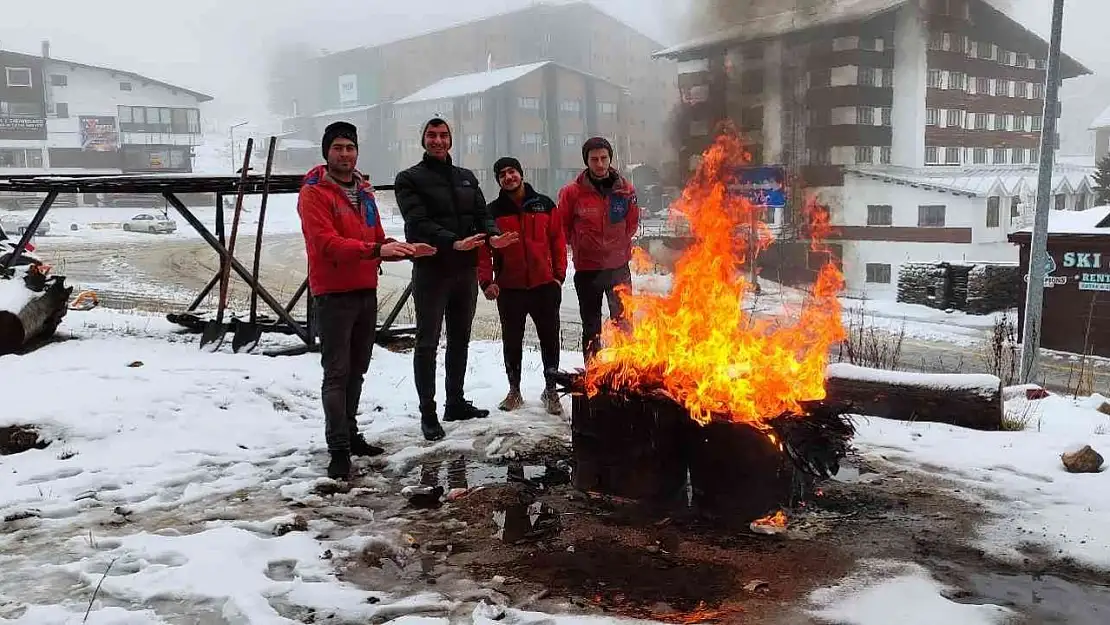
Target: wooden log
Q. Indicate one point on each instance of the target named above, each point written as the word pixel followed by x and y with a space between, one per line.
pixel 37 318
pixel 966 400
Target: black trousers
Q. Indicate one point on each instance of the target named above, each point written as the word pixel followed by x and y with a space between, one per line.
pixel 592 287
pixel 514 306
pixel 347 324
pixel 441 292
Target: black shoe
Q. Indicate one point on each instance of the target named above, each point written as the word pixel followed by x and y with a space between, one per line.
pixel 359 447
pixel 340 466
pixel 433 431
pixel 463 411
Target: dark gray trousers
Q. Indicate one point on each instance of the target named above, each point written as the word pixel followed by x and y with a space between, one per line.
pixel 442 292
pixel 347 324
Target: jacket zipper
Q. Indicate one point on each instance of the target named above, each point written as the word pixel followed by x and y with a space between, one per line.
pixel 524 243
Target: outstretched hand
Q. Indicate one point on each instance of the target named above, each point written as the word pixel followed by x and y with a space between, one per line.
pixel 504 240
pixel 420 250
pixel 470 243
pixel 396 249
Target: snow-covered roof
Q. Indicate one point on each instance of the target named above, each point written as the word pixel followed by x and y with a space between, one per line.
pixel 1102 121
pixel 1091 221
pixel 467 84
pixel 833 12
pixel 982 181
pixel 346 111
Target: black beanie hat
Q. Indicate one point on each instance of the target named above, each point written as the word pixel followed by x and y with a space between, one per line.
pixel 506 161
pixel 338 130
pixel 595 143
pixel 435 121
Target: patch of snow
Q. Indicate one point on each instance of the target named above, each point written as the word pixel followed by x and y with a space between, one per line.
pixel 984 383
pixel 466 84
pixel 892 592
pixel 14 294
pixel 1091 221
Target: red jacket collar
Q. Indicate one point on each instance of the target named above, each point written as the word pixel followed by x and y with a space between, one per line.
pixel 583 180
pixel 319 176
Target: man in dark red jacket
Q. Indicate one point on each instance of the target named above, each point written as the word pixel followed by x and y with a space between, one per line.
pixel 525 279
pixel 599 212
pixel 345 244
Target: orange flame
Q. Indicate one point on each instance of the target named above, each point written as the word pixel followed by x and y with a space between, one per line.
pixel 777 519
pixel 697 342
pixel 642 262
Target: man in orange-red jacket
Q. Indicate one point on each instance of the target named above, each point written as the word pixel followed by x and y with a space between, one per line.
pixel 600 214
pixel 346 244
pixel 525 279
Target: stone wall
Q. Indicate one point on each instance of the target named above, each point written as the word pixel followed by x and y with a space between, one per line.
pixel 994 287
pixel 977 288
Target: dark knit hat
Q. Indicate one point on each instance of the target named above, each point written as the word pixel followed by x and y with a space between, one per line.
pixel 506 161
pixel 435 121
pixel 595 143
pixel 338 130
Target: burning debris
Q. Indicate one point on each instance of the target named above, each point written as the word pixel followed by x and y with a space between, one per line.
pixel 696 383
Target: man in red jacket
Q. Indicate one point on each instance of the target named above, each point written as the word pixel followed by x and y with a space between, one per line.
pixel 599 212
pixel 525 279
pixel 345 244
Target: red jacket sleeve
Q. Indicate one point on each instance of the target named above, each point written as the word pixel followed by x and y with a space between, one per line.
pixel 485 266
pixel 632 220
pixel 558 241
pixel 320 233
pixel 565 210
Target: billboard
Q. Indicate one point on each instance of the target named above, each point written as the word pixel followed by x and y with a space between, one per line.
pixel 99 134
pixel 348 89
pixel 763 186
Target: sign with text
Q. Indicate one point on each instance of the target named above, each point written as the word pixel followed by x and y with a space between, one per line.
pixel 99 134
pixel 22 127
pixel 348 89
pixel 762 186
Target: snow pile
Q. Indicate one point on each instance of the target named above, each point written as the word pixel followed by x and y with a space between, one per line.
pixel 1018 476
pixel 891 592
pixel 983 383
pixel 14 294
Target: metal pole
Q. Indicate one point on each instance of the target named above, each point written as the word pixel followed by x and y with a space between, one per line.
pixel 1038 248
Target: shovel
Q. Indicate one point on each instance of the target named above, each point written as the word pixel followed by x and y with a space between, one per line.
pixel 215 331
pixel 248 333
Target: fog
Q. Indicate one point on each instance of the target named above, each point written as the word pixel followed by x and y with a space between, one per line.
pixel 221 47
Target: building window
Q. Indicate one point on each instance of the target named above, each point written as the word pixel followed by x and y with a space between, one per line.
pixel 936 79
pixel 61 110
pixel 981 120
pixel 1081 202
pixel 865 115
pixel 531 141
pixel 1019 122
pixel 606 108
pixel 878 273
pixel 884 155
pixel 1015 208
pixel 957 80
pixel 1021 59
pixel 1038 91
pixel 888 77
pixel 865 154
pixel 1060 201
pixel 1021 89
pixel 932 117
pixel 979 156
pixel 570 106
pixel 931 155
pixel 125 86
pixel 982 85
pixel 159 120
pixel 573 141
pixel 531 104
pixel 18 76
pixel 993 204
pixel 880 215
pixel 986 50
pixel 955 118
pixel 936 41
pixel 998 156
pixel 59 80
pixel 1002 88
pixel 19 158
pixel 866 77
pixel 474 105
pixel 21 109
pixel 930 216
pixel 1035 125
pixel 473 144
pixel 1034 155
pixel 886 115
pixel 951 156
pixel 999 121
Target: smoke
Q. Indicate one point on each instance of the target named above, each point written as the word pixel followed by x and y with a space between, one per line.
pixel 705 17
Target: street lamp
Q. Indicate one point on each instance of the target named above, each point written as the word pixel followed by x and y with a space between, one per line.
pixel 231 141
pixel 1038 245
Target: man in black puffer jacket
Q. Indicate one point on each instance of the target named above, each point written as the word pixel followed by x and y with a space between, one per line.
pixel 443 206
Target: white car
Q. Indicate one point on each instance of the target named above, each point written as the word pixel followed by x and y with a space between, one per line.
pixel 145 222
pixel 14 224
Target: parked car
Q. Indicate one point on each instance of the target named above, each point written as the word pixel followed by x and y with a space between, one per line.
pixel 16 224
pixel 145 222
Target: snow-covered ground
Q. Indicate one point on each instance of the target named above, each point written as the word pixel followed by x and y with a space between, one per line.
pixel 175 467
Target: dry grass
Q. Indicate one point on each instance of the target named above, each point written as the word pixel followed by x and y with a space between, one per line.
pixel 1000 353
pixel 868 346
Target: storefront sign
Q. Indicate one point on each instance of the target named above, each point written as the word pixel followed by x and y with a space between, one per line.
pixel 22 124
pixel 1083 260
pixel 1094 282
pixel 99 134
pixel 1050 280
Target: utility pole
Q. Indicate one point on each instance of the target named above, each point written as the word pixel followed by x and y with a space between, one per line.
pixel 1038 247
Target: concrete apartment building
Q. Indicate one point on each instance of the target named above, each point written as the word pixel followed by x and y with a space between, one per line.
pixel 575 35
pixel 916 121
pixel 540 113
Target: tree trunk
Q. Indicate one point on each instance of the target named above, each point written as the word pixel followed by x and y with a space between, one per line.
pixel 966 400
pixel 37 319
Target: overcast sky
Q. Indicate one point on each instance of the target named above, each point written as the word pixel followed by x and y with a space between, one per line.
pixel 219 46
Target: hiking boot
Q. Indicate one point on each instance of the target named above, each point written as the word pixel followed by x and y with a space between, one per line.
pixel 551 402
pixel 512 401
pixel 359 447
pixel 340 466
pixel 432 430
pixel 463 411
